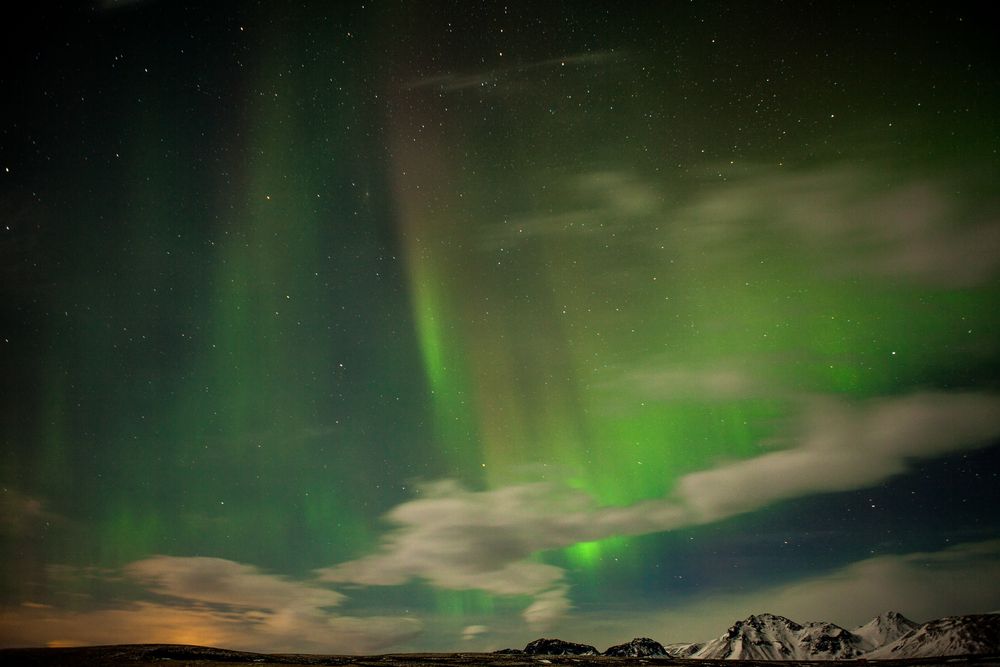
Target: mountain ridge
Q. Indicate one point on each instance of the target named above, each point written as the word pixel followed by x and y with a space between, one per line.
pixel 765 636
pixel 971 634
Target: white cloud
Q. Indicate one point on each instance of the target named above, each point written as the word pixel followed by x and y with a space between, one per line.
pixel 220 581
pixel 842 447
pixel 547 608
pixel 460 539
pixel 473 631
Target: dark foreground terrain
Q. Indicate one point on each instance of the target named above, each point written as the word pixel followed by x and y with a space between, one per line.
pixel 178 656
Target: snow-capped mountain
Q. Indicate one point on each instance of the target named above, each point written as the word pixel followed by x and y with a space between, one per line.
pixel 760 637
pixel 883 629
pixel 772 637
pixel 952 635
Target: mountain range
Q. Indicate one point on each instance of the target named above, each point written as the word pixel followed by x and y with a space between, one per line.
pixel 771 637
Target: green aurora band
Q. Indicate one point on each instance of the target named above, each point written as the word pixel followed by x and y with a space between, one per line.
pixel 606 279
pixel 540 284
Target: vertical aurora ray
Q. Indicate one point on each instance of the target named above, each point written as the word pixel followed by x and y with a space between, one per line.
pixel 220 332
pixel 532 329
pixel 509 372
pixel 444 368
pixel 429 252
pixel 275 365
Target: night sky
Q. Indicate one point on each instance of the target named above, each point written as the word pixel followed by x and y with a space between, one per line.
pixel 395 326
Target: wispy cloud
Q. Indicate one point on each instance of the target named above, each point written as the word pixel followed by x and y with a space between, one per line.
pixel 24 515
pixel 547 608
pixel 914 231
pixel 459 539
pixel 211 601
pixel 842 446
pixel 473 631
pixel 838 220
pixel 658 379
pixel 220 581
pixel 596 204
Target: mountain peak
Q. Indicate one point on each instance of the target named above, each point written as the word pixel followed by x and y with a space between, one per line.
pixel 759 622
pixel 772 637
pixel 767 617
pixel 884 629
pixel 894 617
pixel 640 647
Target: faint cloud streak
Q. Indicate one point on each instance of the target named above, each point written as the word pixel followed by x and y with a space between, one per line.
pixel 21 514
pixel 505 76
pixel 914 231
pixel 220 581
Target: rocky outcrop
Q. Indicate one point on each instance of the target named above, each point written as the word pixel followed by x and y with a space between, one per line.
pixel 640 647
pixel 558 647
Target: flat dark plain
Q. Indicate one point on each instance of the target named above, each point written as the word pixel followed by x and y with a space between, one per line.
pixel 175 655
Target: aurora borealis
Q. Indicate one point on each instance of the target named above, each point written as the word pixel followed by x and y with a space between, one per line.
pixel 393 326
